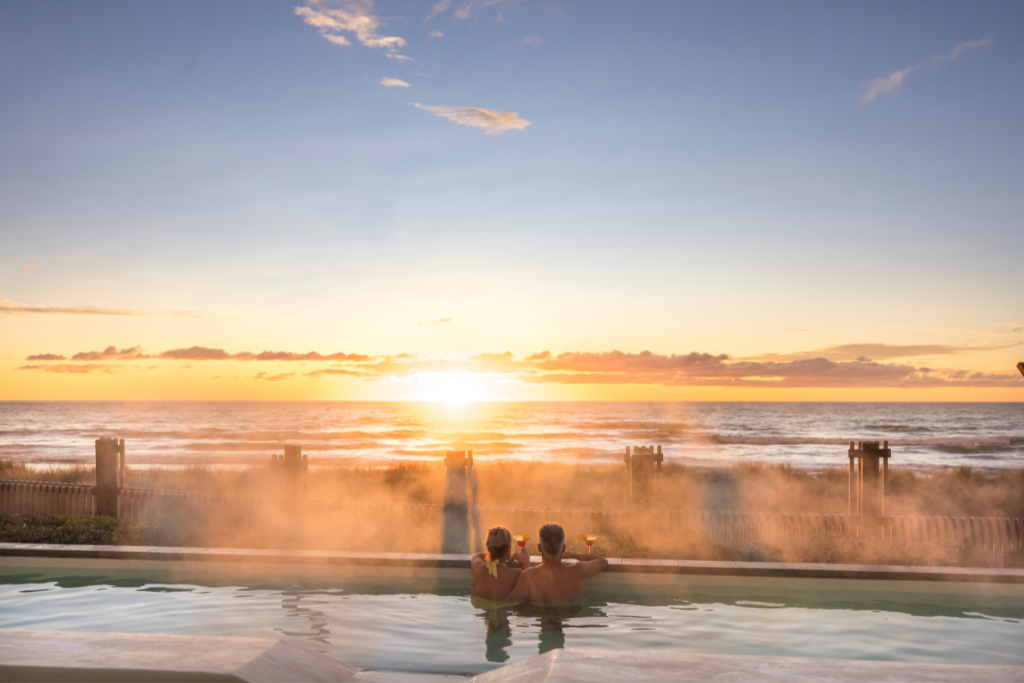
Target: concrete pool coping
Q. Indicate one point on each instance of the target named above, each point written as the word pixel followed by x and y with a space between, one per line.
pixel 584 664
pixel 59 656
pixel 442 561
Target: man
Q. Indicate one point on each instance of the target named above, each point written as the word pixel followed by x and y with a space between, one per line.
pixel 553 584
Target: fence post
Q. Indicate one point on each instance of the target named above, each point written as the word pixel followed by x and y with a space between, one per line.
pixel 643 464
pixel 109 475
pixel 458 532
pixel 868 481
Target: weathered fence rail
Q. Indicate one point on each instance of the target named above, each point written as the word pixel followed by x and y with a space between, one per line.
pixel 993 533
pixel 997 534
pixel 36 497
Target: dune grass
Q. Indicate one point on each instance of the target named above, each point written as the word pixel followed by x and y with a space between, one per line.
pixel 67 529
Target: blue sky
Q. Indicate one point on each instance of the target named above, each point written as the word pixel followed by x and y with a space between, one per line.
pixel 694 176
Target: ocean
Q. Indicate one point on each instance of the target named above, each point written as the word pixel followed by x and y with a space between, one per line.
pixel 805 435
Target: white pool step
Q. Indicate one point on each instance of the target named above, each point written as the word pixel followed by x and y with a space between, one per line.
pixel 585 665
pixel 29 655
pixel 79 656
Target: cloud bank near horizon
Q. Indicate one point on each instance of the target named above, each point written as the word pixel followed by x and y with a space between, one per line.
pixel 693 369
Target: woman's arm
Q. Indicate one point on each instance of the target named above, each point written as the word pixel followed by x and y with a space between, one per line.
pixel 522 587
pixel 477 561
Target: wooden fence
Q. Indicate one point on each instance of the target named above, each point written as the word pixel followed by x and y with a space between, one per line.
pixel 33 497
pixel 997 534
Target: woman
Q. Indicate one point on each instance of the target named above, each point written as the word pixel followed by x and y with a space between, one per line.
pixel 492 579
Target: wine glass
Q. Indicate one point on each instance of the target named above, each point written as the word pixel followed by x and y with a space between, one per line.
pixel 589 540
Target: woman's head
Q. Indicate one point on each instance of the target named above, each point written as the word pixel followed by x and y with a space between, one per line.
pixel 499 543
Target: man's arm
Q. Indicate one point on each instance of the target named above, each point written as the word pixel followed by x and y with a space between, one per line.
pixel 522 587
pixel 588 565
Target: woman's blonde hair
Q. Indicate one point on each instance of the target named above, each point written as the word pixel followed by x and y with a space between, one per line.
pixel 499 540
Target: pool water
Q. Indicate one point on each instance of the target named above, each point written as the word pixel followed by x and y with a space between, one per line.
pixel 391 625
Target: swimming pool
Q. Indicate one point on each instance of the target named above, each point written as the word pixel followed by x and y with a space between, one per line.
pixel 423 621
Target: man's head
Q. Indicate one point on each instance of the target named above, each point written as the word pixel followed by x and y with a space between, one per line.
pixel 552 540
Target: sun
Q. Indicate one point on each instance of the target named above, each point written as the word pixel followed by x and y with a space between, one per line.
pixel 454 388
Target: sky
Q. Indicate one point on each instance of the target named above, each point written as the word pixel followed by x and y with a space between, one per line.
pixel 511 200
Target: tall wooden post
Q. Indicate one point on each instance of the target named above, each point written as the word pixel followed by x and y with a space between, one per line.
pixel 850 498
pixel 644 463
pixel 870 479
pixel 459 528
pixel 294 459
pixel 110 467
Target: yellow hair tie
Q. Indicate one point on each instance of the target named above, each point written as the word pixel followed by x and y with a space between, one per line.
pixel 492 568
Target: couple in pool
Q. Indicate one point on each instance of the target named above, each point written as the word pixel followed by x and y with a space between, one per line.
pixel 551 584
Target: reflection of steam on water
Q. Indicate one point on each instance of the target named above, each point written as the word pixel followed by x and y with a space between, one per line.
pixel 302 607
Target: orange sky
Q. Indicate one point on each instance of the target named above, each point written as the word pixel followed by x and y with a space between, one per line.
pixel 56 356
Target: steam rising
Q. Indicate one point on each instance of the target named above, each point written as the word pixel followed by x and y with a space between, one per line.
pixel 398 508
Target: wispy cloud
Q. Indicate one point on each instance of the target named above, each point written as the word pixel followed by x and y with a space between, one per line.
pixel 463 9
pixel 533 40
pixel 28 269
pixel 8 307
pixel 438 8
pixel 435 322
pixel 872 351
pixel 14 308
pixel 435 34
pixel 334 371
pixel 275 378
pixel 493 122
pixel 112 353
pixel 205 353
pixel 332 19
pixel 46 356
pixel 393 83
pixel 73 369
pixel 887 84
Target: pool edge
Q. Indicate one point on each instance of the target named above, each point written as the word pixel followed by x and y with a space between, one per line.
pixel 420 560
